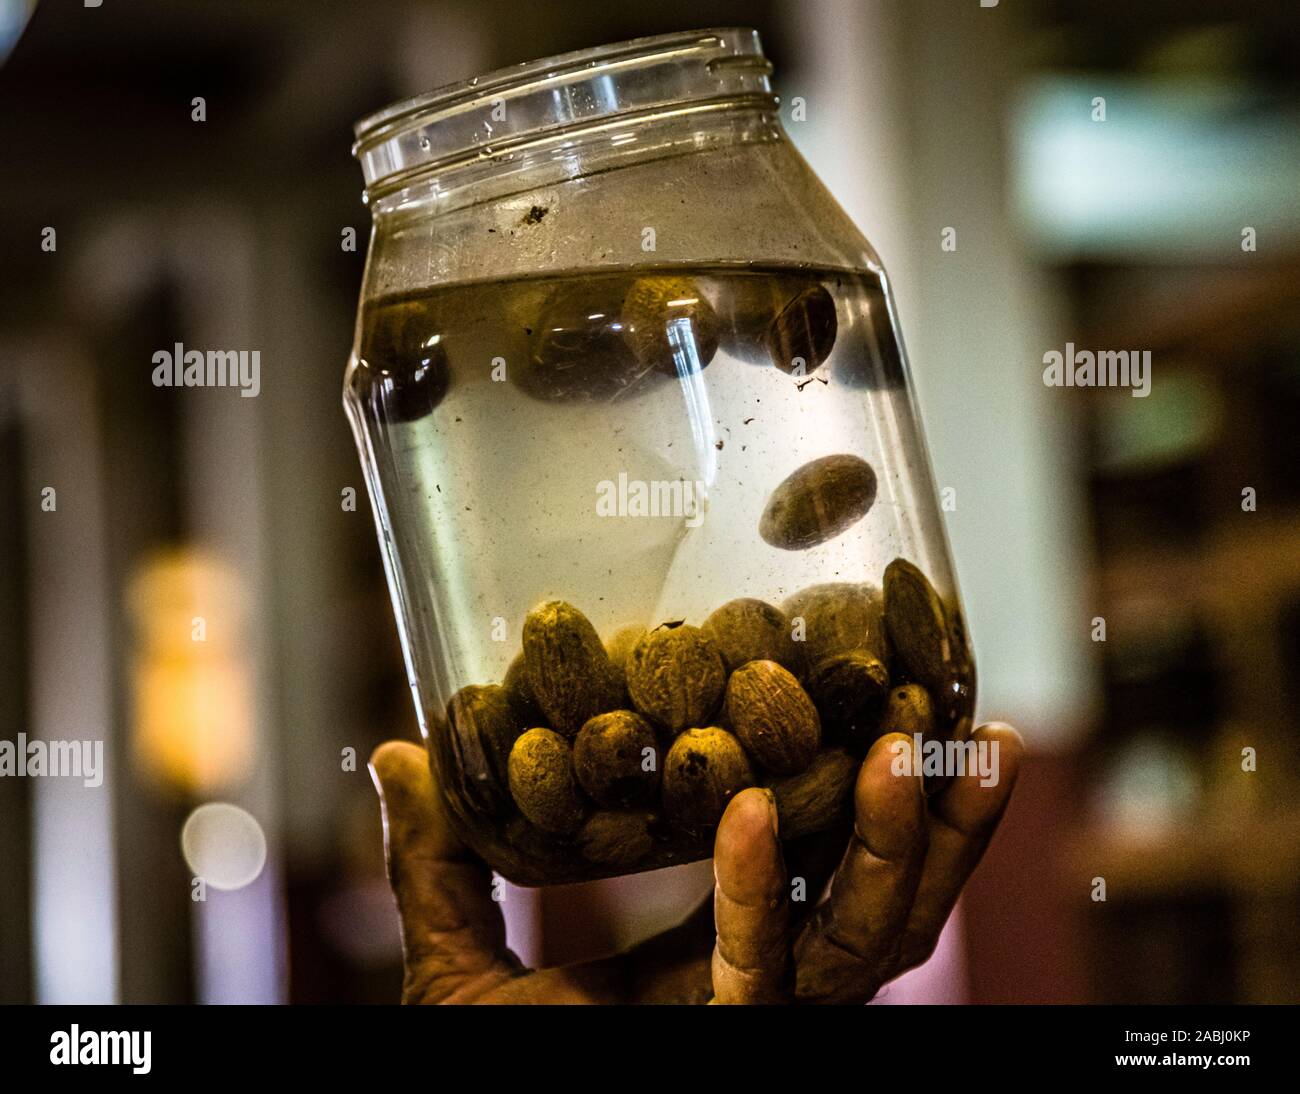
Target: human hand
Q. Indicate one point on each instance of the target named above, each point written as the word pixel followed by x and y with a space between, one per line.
pixel 906 861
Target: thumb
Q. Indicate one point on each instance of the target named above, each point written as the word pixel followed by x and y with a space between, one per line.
pixel 752 959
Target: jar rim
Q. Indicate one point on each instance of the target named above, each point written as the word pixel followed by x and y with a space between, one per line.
pixel 485 113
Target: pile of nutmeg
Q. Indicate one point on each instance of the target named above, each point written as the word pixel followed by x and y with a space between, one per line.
pixel 589 760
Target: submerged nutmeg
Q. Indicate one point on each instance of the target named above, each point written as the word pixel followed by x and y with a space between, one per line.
pixel 542 782
pixel 676 676
pixel 838 617
pixel 703 770
pixel 818 796
pixel 568 670
pixel 482 726
pixel 616 758
pixel 617 837
pixel 772 716
pixel 908 710
pixel 746 630
pixel 849 689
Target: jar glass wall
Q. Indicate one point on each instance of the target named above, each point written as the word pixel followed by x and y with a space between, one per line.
pixel 655 507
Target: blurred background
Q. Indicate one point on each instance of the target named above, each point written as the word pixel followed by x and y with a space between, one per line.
pixel 183 579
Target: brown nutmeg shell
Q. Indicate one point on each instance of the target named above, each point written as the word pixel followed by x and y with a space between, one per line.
pixel 567 668
pixel 703 770
pixel 817 502
pixel 618 838
pixel 747 630
pixel 616 759
pixel 675 676
pixel 773 717
pixel 818 797
pixel 839 617
pixel 481 729
pixel 543 783
pixel 849 690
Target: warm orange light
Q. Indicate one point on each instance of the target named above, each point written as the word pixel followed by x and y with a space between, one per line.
pixel 191 678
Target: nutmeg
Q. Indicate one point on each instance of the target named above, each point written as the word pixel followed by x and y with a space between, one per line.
pixel 542 782
pixel 567 668
pixel 849 689
pixel 773 717
pixel 622 642
pixel 617 838
pixel 619 647
pixel 819 501
pixel 578 349
pixel 703 770
pixel 803 333
pixel 918 624
pixel 788 322
pixel 838 617
pixel 616 759
pixel 402 364
pixel 676 676
pixel 482 727
pixel 908 710
pixel 520 693
pixel 669 324
pixel 746 630
pixel 817 797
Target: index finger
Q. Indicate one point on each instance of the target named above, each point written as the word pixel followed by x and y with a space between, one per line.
pixel 850 944
pixel 962 822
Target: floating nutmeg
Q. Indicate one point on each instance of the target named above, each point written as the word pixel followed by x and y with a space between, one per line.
pixel 481 730
pixel 773 717
pixel 676 676
pixel 818 797
pixel 616 759
pixel 622 642
pixel 802 335
pixel 570 674
pixel 402 363
pixel 542 782
pixel 616 837
pixel 787 322
pixel 703 770
pixel 609 337
pixel 818 502
pixel 753 630
pixel 839 617
pixel 578 349
pixel 669 324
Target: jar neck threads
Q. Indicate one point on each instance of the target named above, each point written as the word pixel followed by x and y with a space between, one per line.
pixel 539 111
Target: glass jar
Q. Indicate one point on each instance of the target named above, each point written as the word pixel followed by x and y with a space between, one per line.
pixel 655 508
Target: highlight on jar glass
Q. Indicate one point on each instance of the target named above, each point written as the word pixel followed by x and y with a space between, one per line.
pixel 655 506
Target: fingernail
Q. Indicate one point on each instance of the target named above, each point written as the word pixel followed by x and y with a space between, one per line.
pixel 773 814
